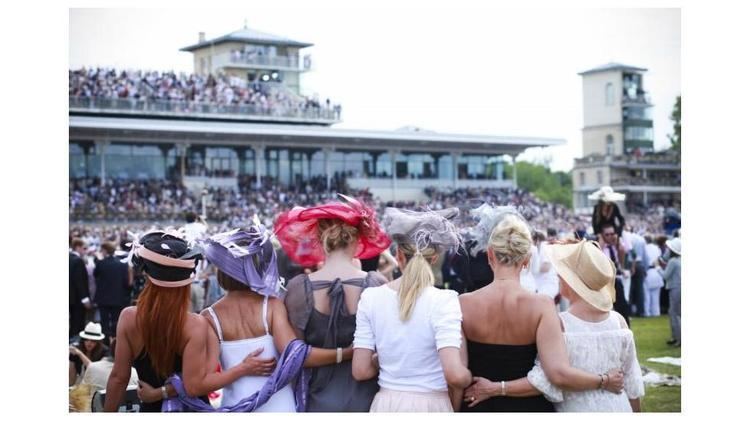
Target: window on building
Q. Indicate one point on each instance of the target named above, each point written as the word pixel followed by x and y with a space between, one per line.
pixel 582 178
pixel 610 145
pixel 609 94
pixel 599 177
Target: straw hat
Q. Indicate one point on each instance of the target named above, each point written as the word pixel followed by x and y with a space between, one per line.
pixel 93 331
pixel 675 245
pixel 588 271
pixel 607 194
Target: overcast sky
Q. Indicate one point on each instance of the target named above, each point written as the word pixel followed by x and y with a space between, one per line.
pixel 456 70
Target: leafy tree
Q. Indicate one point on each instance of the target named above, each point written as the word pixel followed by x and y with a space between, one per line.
pixel 555 187
pixel 676 138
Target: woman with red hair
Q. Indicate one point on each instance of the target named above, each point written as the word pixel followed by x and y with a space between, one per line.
pixel 322 305
pixel 160 336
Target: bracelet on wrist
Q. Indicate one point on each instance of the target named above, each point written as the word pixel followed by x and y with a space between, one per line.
pixel 339 355
pixel 601 381
pixel 503 392
pixel 164 394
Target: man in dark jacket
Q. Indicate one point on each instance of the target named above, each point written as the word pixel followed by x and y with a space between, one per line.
pixel 78 288
pixel 113 284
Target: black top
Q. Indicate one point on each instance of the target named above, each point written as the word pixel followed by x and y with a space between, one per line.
pixel 147 373
pixel 504 362
pixel 474 271
pixel 615 219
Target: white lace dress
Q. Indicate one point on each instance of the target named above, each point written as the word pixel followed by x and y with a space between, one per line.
pixel 595 347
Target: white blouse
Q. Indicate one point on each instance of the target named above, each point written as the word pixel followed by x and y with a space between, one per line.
pixel 408 351
pixel 596 347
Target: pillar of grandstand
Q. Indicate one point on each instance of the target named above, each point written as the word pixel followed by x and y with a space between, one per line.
pixel 618 145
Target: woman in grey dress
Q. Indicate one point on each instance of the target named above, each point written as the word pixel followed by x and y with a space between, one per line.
pixel 322 306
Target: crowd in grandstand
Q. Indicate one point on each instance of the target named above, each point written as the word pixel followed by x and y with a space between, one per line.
pixel 167 201
pixel 190 92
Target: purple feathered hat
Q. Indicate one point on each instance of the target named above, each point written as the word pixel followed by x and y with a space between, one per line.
pixel 247 255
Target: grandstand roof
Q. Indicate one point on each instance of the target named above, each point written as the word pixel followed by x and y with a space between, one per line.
pixel 186 131
pixel 248 35
pixel 613 66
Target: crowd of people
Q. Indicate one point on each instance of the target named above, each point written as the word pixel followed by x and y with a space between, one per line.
pixel 166 202
pixel 193 92
pixel 284 301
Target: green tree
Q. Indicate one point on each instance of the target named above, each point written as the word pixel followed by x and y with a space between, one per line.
pixel 555 187
pixel 676 138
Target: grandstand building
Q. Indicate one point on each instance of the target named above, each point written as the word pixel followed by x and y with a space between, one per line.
pixel 287 137
pixel 618 144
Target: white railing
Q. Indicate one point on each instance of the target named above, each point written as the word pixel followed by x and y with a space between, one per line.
pixel 140 106
pixel 410 183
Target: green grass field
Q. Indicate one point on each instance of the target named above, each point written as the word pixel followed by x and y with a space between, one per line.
pixel 651 335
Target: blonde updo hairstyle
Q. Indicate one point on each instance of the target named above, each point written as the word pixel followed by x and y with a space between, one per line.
pixel 336 234
pixel 417 275
pixel 510 241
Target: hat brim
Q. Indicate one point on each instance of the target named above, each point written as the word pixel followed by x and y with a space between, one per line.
pixel 601 299
pixel 84 335
pixel 679 253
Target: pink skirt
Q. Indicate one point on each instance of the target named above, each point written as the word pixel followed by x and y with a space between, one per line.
pixel 387 400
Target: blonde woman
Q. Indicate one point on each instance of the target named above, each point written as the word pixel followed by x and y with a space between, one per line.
pixel 507 327
pixel 414 327
pixel 322 305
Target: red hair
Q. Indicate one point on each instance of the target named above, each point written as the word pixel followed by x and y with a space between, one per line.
pixel 161 314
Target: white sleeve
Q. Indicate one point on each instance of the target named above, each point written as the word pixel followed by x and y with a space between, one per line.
pixel 539 380
pixel 363 334
pixel 633 379
pixel 446 320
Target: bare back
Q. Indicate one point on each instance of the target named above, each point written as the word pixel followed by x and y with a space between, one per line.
pixel 240 315
pixel 502 314
pixel 351 292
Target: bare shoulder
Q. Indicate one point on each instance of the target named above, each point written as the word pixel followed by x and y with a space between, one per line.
pixel 127 315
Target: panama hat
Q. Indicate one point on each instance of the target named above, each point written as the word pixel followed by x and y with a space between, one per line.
pixel 607 194
pixel 587 270
pixel 93 331
pixel 675 245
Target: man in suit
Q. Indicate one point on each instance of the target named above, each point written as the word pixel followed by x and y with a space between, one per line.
pixel 113 283
pixel 78 288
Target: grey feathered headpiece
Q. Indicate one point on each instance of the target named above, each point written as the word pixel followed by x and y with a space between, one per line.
pixel 423 229
pixel 487 217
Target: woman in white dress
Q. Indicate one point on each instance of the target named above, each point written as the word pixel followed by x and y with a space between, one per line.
pixel 250 319
pixel 414 327
pixel 596 337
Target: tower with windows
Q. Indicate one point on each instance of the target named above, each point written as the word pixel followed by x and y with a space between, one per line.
pixel 618 142
pixel 253 56
pixel 616 111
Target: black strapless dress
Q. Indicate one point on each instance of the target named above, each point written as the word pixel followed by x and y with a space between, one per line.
pixel 504 362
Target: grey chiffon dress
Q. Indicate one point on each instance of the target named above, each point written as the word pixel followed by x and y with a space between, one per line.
pixel 332 387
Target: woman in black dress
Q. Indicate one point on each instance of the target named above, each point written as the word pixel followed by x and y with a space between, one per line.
pixel 506 327
pixel 606 211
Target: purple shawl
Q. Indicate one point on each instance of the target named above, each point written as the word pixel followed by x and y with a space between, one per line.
pixel 246 255
pixel 288 369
